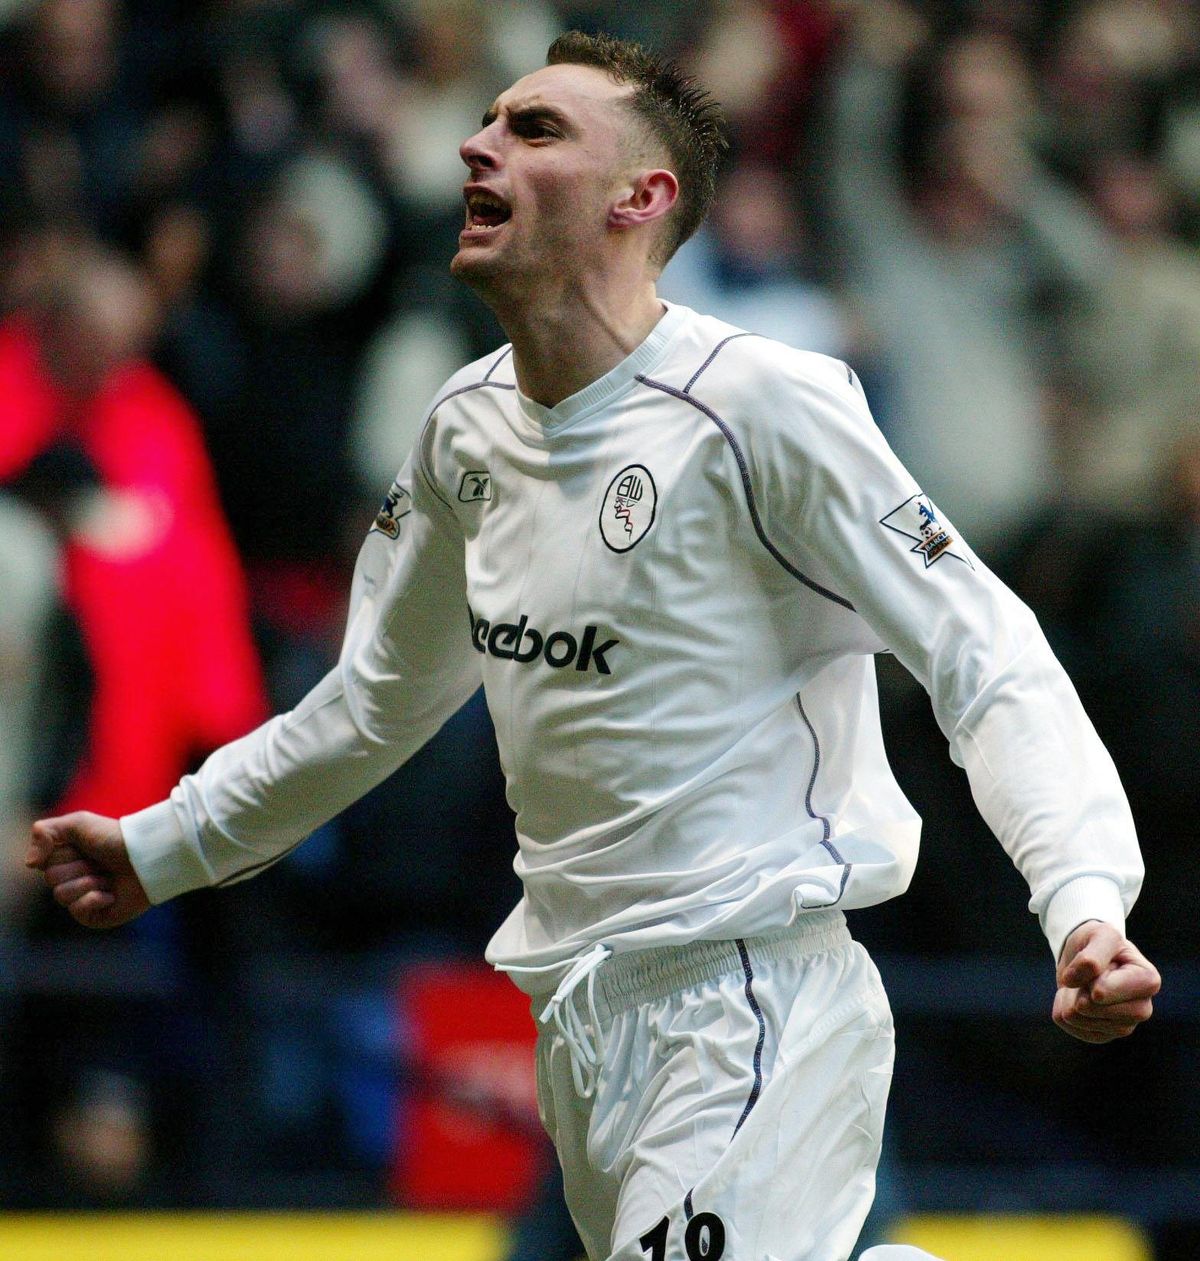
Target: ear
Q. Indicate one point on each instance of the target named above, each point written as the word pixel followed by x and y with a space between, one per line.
pixel 648 198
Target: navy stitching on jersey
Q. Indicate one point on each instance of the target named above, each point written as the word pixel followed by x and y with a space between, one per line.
pixel 427 474
pixel 465 389
pixel 422 464
pixel 487 376
pixel 756 1089
pixel 744 470
pixel 720 346
pixel 254 867
pixel 688 1211
pixel 845 880
pixel 812 783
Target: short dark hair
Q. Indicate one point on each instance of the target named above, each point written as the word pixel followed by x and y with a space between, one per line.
pixel 675 109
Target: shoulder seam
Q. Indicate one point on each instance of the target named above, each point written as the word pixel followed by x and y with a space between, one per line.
pixel 463 389
pixel 466 389
pixel 422 464
pixel 716 350
pixel 499 359
pixel 748 490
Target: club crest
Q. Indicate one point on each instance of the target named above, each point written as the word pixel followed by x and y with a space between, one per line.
pixel 398 504
pixel 628 508
pixel 917 519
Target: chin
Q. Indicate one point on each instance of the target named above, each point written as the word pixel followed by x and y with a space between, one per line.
pixel 491 278
pixel 469 266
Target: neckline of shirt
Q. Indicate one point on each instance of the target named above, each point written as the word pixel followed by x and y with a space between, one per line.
pixel 542 422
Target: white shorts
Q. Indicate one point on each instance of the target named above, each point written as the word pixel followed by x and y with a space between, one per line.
pixel 738 1110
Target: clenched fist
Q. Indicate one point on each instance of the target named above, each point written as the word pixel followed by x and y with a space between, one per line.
pixel 83 860
pixel 1105 984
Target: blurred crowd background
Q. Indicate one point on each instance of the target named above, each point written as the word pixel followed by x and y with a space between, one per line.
pixel 224 303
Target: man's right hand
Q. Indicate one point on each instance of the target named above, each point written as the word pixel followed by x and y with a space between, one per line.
pixel 1105 984
pixel 84 862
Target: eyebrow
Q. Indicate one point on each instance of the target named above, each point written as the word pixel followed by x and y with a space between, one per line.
pixel 529 113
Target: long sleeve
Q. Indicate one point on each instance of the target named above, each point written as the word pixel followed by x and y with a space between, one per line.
pixel 841 506
pixel 406 665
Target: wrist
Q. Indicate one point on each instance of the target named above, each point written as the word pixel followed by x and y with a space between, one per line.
pixel 1090 897
pixel 158 850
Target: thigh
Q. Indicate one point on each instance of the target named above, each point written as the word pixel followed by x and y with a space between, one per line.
pixel 758 1136
pixel 679 1071
pixel 590 1193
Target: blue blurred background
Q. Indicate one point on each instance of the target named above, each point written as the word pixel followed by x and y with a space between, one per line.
pixel 224 303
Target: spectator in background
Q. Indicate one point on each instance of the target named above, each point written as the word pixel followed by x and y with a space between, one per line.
pixel 1109 68
pixel 95 439
pixel 147 664
pixel 198 346
pixel 102 1142
pixel 1131 342
pixel 303 308
pixel 249 54
pixel 751 264
pixel 70 123
pixel 409 358
pixel 951 252
pixel 764 62
pixel 403 89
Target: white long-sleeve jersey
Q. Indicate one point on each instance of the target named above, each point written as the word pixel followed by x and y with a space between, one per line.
pixel 672 585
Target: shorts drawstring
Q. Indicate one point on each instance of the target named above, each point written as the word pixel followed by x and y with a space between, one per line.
pixel 582 1038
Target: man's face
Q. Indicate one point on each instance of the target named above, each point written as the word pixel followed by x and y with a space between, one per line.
pixel 553 154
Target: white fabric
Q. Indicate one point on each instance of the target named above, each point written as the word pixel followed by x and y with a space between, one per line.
pixel 683 697
pixel 750 1087
pixel 579 1037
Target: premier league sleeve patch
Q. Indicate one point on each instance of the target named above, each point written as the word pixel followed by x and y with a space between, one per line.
pixel 917 519
pixel 398 504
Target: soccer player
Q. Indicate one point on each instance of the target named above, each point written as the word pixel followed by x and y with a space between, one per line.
pixel 670 550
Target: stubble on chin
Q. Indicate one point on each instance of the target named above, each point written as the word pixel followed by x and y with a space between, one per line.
pixel 498 283
pixel 475 272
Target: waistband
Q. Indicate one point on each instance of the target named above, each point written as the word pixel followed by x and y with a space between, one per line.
pixel 637 976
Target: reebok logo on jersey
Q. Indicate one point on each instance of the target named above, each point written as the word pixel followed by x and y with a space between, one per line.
pixel 917 519
pixel 628 508
pixel 396 505
pixel 518 641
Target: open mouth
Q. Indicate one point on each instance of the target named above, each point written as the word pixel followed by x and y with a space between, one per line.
pixel 485 211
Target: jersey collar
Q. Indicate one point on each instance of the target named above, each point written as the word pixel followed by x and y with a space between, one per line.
pixel 551 420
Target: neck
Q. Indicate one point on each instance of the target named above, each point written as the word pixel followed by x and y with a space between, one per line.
pixel 566 339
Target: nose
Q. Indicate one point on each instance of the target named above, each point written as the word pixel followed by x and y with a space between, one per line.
pixel 479 152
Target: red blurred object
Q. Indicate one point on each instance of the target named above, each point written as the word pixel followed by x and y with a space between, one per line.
pixel 806 34
pixel 296 596
pixel 154 581
pixel 469 1136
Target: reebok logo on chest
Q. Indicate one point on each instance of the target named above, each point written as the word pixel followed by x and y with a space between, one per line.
pixel 518 641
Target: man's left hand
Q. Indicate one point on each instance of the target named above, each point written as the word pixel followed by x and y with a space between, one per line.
pixel 1105 984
